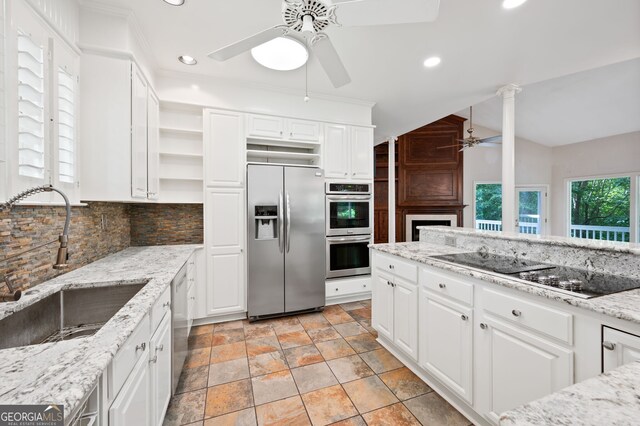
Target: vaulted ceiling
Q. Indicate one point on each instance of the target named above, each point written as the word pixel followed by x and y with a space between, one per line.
pixel 482 47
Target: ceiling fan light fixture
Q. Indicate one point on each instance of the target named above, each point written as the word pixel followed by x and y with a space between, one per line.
pixel 281 54
pixel 187 60
pixel 433 61
pixel 175 2
pixel 512 4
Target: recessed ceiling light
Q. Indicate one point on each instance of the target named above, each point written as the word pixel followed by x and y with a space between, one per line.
pixel 187 60
pixel 511 4
pixel 281 54
pixel 174 2
pixel 432 62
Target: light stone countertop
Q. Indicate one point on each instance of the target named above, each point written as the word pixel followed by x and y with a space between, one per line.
pixel 611 398
pixel 65 372
pixel 624 305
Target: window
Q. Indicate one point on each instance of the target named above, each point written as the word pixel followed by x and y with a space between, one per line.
pixel 530 208
pixel 600 208
pixel 31 108
pixel 42 86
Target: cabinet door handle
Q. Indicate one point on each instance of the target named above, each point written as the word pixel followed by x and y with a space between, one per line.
pixel 483 326
pixel 154 359
pixel 609 345
pixel 516 313
pixel 464 317
pixel 141 347
pixel 166 305
pixel 391 267
pixel 442 286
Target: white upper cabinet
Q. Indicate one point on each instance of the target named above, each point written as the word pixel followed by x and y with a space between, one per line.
pixel 139 89
pixel 116 134
pixel 153 146
pixel 264 126
pixel 361 153
pixel 336 151
pixel 224 148
pixel 348 152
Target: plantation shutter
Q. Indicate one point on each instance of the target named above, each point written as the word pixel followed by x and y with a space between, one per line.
pixel 31 108
pixel 66 126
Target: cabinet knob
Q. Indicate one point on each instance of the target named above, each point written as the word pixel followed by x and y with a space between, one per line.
pixel 337 289
pixel 391 267
pixel 141 347
pixel 154 359
pixel 609 345
pixel 166 305
pixel 346 174
pixel 516 313
pixel 464 317
pixel 483 326
pixel 159 348
pixel 442 286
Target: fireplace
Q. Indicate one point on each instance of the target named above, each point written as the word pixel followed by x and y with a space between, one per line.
pixel 414 220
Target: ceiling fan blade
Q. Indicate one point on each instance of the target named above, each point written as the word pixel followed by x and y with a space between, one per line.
pixel 492 139
pixel 385 12
pixel 450 146
pixel 249 43
pixel 329 59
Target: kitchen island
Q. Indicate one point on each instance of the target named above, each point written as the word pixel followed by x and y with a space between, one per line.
pixel 489 342
pixel 66 372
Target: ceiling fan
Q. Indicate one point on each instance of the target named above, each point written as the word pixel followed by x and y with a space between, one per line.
pixel 471 140
pixel 306 20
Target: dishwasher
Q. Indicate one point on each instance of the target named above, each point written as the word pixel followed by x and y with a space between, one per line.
pixel 179 326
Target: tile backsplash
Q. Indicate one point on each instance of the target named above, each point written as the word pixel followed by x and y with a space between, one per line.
pixel 25 227
pixel 96 231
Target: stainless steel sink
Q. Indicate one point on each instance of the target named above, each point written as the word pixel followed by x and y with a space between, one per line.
pixel 65 315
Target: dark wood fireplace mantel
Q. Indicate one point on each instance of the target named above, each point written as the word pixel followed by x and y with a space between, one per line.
pixel 429 177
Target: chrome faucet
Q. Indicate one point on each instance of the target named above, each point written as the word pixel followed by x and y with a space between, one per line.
pixel 14 294
pixel 63 239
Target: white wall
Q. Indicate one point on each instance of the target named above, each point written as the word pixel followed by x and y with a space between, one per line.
pixel 600 157
pixel 3 135
pixel 206 91
pixel 484 164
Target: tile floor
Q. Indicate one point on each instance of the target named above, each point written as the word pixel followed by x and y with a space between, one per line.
pixel 314 369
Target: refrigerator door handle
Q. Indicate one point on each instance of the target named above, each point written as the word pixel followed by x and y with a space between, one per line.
pixel 288 222
pixel 280 224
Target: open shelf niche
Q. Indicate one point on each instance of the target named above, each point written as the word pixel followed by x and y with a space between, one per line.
pixel 283 152
pixel 181 153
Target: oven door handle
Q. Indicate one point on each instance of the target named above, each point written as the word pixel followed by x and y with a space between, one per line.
pixel 348 240
pixel 348 197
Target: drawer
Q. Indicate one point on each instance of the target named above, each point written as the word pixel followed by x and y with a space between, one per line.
pixel 394 265
pixel 159 309
pixel 129 354
pixel 344 288
pixel 444 284
pixel 545 320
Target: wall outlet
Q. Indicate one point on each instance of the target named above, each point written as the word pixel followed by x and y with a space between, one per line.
pixel 450 241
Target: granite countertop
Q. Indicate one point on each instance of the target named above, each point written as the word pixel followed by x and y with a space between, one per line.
pixel 65 372
pixel 612 398
pixel 624 305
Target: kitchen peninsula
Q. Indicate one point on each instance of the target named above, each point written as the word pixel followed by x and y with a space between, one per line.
pixel 489 341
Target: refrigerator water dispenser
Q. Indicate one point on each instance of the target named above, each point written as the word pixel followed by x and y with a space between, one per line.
pixel 266 227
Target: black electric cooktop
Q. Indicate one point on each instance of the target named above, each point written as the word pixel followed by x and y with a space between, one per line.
pixel 574 281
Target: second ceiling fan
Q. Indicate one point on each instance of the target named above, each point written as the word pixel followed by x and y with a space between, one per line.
pixel 471 141
pixel 306 20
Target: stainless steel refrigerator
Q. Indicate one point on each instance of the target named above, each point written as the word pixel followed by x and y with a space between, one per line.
pixel 286 241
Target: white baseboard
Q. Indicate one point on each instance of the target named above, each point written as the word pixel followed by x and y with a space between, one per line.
pixel 348 298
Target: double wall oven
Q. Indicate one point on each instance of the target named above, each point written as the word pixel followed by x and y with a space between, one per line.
pixel 348 229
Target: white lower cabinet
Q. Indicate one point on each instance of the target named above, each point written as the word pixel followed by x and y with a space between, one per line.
pixel 160 367
pixel 140 375
pixel 446 342
pixel 516 367
pixel 395 312
pixel 133 404
pixel 405 316
pixel 618 348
